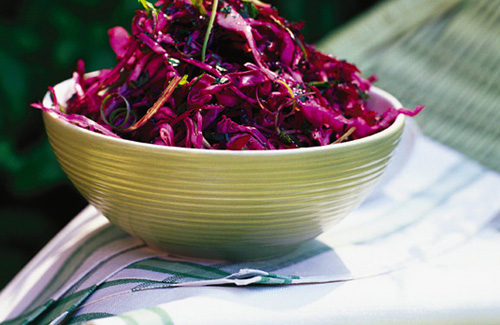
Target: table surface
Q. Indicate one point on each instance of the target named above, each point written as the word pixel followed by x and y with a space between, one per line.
pixel 423 248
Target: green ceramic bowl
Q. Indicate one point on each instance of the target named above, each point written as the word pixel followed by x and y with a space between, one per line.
pixel 225 205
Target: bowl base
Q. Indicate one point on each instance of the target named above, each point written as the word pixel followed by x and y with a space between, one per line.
pixel 226 254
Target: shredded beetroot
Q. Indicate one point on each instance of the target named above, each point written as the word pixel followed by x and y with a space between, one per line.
pixel 260 85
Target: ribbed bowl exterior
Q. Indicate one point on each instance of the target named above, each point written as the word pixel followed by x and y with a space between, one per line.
pixel 228 205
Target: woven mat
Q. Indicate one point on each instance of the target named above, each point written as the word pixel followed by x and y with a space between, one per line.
pixel 444 54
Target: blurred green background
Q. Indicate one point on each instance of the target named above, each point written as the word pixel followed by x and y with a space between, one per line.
pixel 40 43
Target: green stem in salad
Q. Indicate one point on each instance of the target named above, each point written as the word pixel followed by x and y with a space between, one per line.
pixel 157 105
pixel 209 29
pixel 117 113
pixel 345 135
pixel 148 6
pixel 290 91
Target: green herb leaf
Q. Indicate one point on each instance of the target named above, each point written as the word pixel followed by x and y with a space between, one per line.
pixel 199 4
pixel 149 6
pixel 220 81
pixel 251 10
pixel 288 139
pixel 226 10
pixel 183 81
pixel 173 61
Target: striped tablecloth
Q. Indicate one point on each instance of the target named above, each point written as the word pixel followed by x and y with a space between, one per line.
pixel 386 261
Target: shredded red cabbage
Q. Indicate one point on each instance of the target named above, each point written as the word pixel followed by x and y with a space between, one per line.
pixel 222 75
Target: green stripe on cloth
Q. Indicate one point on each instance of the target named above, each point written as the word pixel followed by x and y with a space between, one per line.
pixel 165 318
pixel 443 54
pixel 273 278
pixel 62 275
pixel 88 317
pixel 65 306
pixel 185 269
pixel 155 315
pixel 422 203
pixel 62 308
pixel 129 320
pixel 102 265
pixel 31 315
pixel 119 282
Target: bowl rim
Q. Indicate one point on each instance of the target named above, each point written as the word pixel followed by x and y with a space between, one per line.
pixel 374 91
